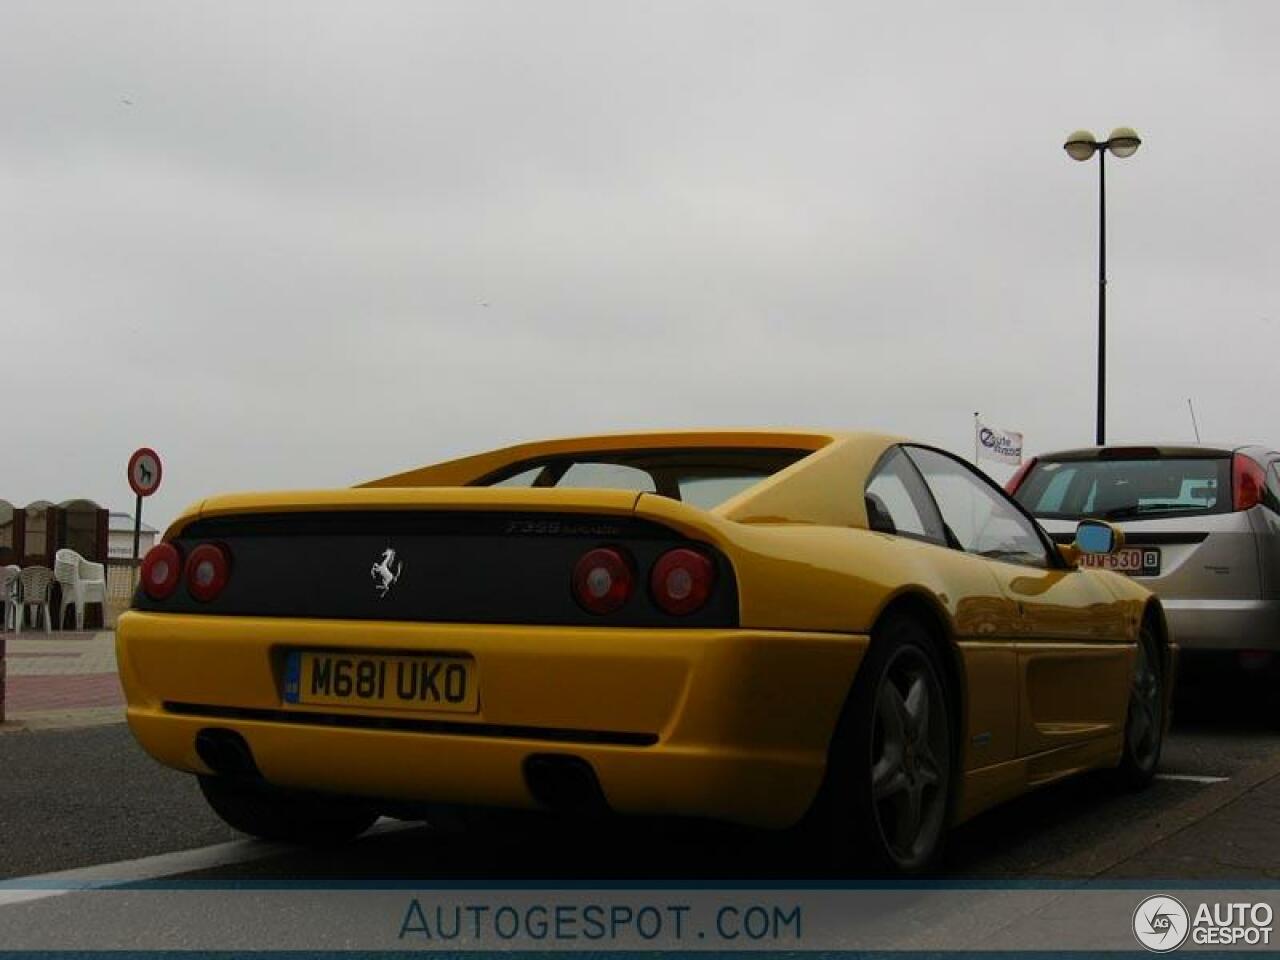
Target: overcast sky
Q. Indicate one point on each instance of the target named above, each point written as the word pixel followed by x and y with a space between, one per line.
pixel 309 244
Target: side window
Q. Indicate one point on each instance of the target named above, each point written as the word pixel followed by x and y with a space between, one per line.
pixel 980 517
pixel 897 501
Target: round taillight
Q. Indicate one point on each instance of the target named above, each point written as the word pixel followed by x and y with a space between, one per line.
pixel 161 570
pixel 602 580
pixel 682 580
pixel 207 570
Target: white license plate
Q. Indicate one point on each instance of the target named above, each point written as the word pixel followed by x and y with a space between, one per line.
pixel 396 681
pixel 1135 561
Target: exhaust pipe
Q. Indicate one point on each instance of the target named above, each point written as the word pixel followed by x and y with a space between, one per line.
pixel 227 754
pixel 564 784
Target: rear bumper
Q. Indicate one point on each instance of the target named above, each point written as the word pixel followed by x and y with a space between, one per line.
pixel 729 724
pixel 1224 624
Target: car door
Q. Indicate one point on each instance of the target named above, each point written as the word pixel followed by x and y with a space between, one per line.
pixel 985 621
pixel 1073 658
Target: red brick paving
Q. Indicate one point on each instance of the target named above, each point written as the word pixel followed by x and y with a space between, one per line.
pixel 27 694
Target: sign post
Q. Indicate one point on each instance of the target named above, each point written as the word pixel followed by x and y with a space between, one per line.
pixel 144 478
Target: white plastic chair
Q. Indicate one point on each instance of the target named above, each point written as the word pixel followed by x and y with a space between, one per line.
pixel 82 581
pixel 10 591
pixel 34 583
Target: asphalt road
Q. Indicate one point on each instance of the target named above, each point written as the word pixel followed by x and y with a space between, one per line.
pixel 79 798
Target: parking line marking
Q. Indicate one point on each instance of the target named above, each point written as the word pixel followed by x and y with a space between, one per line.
pixel 25 889
pixel 1191 778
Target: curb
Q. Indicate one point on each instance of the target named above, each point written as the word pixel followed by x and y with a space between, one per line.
pixel 63 719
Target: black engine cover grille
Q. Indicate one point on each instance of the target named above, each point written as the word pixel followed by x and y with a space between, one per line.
pixel 456 567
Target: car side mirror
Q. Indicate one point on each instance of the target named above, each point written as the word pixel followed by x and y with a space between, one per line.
pixel 1092 536
pixel 1096 536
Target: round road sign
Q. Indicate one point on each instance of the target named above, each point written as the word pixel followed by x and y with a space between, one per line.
pixel 144 471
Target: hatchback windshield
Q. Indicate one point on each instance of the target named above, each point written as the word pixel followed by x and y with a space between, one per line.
pixel 1127 489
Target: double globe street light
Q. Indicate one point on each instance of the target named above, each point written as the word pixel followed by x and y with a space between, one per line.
pixel 1081 145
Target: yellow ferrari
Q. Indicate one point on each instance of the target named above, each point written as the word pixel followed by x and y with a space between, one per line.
pixel 849 632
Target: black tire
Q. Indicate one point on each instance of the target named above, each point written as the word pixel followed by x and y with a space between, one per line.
pixel 287 816
pixel 1144 725
pixel 886 799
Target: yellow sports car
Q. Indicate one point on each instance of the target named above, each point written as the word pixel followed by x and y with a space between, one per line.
pixel 849 632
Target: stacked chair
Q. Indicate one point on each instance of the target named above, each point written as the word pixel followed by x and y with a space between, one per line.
pixel 82 582
pixel 33 587
pixel 10 592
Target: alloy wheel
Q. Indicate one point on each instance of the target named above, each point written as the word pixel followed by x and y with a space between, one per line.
pixel 910 757
pixel 1143 730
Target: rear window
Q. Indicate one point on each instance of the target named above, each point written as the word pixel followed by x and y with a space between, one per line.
pixel 1127 489
pixel 701 477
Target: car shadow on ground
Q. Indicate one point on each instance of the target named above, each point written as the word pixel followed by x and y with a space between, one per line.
pixel 1028 837
pixel 1016 840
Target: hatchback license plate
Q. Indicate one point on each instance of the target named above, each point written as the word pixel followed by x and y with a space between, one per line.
pixel 383 681
pixel 1135 561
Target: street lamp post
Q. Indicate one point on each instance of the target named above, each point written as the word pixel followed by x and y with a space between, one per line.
pixel 1081 145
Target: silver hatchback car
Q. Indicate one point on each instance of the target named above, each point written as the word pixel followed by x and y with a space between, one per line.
pixel 1201 526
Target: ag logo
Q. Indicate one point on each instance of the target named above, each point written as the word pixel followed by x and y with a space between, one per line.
pixel 386 572
pixel 1161 923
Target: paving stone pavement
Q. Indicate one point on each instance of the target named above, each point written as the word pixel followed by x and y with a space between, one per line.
pixel 61 679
